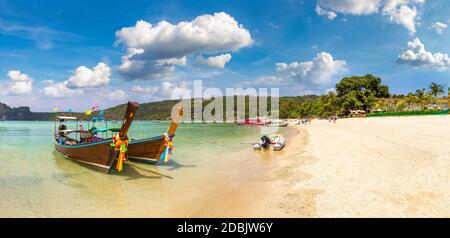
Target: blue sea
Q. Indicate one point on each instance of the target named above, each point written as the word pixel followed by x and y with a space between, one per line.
pixel 36 181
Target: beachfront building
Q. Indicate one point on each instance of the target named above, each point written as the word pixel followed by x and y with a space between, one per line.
pixel 357 113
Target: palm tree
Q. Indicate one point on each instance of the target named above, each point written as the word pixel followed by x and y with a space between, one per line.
pixel 423 98
pixel 420 93
pixel 436 90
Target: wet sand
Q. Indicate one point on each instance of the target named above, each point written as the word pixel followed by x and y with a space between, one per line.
pixel 246 185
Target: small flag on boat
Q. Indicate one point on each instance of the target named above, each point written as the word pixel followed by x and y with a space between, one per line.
pixel 94 108
pixel 101 113
pixel 88 112
pixel 69 110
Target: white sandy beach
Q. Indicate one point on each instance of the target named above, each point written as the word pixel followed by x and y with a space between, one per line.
pixel 369 167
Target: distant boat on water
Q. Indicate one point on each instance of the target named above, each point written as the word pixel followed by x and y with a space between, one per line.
pixel 278 124
pixel 253 122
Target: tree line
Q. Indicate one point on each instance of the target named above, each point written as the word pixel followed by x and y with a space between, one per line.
pixel 365 93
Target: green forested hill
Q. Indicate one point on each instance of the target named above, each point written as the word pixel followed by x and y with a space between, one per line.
pixel 161 110
pixel 147 111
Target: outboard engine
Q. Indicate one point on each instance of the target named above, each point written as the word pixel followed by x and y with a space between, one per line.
pixel 265 142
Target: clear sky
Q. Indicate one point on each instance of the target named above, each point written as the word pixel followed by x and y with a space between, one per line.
pixel 73 54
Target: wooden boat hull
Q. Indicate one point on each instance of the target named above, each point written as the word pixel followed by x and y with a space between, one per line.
pixel 102 155
pixel 149 149
pixel 99 154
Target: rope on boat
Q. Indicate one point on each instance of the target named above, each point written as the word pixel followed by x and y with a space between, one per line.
pixel 168 144
pixel 121 146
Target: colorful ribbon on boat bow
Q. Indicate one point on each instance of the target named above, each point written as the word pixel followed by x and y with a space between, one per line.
pixel 168 144
pixel 121 146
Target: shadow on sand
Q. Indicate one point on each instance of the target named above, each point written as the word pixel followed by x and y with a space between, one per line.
pixel 174 165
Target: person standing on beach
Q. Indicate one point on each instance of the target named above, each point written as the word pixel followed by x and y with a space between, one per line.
pixel 333 119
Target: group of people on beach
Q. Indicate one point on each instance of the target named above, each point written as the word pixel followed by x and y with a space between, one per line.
pixel 306 120
pixel 333 119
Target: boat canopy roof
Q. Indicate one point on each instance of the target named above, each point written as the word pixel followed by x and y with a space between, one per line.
pixel 66 118
pixel 94 119
pixel 112 129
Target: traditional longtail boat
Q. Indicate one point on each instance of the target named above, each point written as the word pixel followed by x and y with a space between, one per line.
pixel 86 147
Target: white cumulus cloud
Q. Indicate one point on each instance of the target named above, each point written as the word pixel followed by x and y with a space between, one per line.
pixel 146 90
pixel 402 12
pixel 19 83
pixel 320 70
pixel 154 50
pixel 322 12
pixel 85 77
pixel 270 80
pixel 354 7
pixel 82 78
pixel 165 90
pixel 218 61
pixel 114 95
pixel 60 90
pixel 313 74
pixel 439 27
pixel 416 55
pixel 169 89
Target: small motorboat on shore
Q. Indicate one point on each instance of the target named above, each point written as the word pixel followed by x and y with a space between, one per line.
pixel 263 144
pixel 277 142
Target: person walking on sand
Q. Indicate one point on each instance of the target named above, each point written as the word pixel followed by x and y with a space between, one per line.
pixel 332 119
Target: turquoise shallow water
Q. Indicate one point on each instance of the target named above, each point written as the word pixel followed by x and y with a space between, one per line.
pixel 35 181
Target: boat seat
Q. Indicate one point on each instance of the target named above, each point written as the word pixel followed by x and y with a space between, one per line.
pixel 71 142
pixel 86 135
pixel 67 131
pixel 99 130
